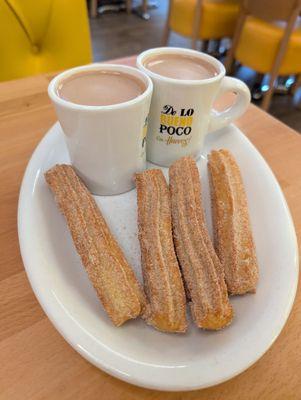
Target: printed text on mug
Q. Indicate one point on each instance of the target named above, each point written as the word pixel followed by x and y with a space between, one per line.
pixel 175 126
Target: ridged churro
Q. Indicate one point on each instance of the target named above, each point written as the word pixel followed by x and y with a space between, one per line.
pixel 233 236
pixel 163 284
pixel 105 263
pixel 202 271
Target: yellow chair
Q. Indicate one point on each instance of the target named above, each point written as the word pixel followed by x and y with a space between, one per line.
pixel 268 40
pixel 38 36
pixel 201 19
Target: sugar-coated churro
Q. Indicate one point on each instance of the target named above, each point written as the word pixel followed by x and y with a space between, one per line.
pixel 105 263
pixel 202 271
pixel 233 236
pixel 163 284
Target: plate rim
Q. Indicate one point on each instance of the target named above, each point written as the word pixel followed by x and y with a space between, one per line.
pixel 49 308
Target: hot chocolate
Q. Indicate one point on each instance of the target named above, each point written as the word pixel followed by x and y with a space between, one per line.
pixel 100 88
pixel 179 66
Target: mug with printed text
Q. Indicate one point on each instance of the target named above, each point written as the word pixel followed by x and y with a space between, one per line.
pixel 186 83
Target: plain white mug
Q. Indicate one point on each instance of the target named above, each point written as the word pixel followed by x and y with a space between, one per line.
pixel 106 143
pixel 181 112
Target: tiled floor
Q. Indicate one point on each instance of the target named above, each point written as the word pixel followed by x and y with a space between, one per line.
pixel 118 35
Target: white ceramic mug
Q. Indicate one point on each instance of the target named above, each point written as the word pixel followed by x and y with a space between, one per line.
pixel 106 143
pixel 182 112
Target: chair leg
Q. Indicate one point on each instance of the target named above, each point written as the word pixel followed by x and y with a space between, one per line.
pixel 215 48
pixel 280 54
pixel 165 36
pixel 194 43
pixel 128 6
pixel 196 24
pixel 235 67
pixel 93 8
pixel 235 40
pixel 266 101
pixel 144 6
pixel 229 60
pixel 166 31
pixel 204 46
pixel 296 84
pixel 256 92
pixel 296 92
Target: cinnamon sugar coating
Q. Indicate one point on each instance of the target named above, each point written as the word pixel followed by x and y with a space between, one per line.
pixel 202 271
pixel 163 284
pixel 104 261
pixel 232 231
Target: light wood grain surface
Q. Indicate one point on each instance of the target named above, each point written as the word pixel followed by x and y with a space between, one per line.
pixel 35 361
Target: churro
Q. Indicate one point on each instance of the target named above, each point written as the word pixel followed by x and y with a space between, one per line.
pixel 104 261
pixel 163 284
pixel 233 236
pixel 202 271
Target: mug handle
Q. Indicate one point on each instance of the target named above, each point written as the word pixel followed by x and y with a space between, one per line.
pixel 219 119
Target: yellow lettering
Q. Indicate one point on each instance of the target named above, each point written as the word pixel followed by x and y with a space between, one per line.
pixel 182 121
pixel 163 119
pixel 189 121
pixel 169 120
pixel 175 120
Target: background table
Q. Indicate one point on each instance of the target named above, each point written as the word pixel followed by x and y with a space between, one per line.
pixel 35 361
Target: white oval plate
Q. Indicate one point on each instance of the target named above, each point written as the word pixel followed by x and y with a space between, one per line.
pixel 136 352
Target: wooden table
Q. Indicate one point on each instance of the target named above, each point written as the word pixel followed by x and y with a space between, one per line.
pixel 35 361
